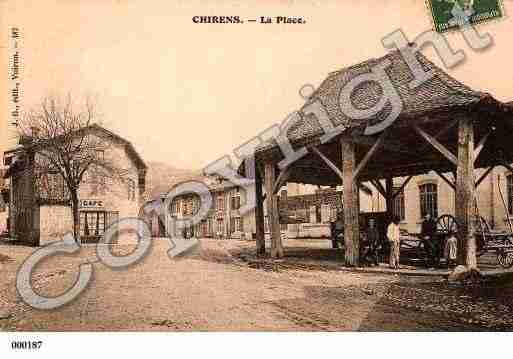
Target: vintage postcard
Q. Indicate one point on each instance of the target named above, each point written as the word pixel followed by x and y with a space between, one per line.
pixel 279 166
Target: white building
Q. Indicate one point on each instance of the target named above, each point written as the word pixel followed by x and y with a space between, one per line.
pixel 39 204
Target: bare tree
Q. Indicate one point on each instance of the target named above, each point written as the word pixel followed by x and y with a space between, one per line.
pixel 65 144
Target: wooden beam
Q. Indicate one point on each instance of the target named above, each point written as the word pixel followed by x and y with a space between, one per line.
pixel 507 166
pixel 377 184
pixel 437 145
pixel 351 210
pixel 445 129
pixel 440 133
pixel 327 161
pixel 369 154
pixel 272 211
pixel 259 215
pixel 483 176
pixel 447 180
pixel 401 188
pixel 282 178
pixel 389 181
pixel 465 195
pixel 480 145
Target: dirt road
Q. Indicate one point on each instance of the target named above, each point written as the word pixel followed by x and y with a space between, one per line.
pixel 213 290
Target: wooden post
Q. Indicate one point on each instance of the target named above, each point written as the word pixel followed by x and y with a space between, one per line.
pixel 465 194
pixel 272 211
pixel 351 210
pixel 390 196
pixel 259 215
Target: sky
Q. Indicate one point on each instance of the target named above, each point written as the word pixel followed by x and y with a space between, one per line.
pixel 186 93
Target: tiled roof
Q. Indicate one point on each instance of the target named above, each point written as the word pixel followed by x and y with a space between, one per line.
pixel 438 93
pixel 130 149
pixel 213 187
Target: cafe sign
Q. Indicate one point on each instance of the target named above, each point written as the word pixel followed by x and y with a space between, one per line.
pixel 91 204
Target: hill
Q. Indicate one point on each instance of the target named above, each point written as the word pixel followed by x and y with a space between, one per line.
pixel 161 177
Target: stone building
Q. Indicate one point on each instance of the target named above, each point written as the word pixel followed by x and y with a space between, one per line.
pixel 224 219
pixel 39 203
pixel 431 194
pixel 316 207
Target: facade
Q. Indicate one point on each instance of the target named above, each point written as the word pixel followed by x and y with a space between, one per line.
pixel 307 210
pixel 223 220
pixel 39 204
pixel 316 208
pixel 431 194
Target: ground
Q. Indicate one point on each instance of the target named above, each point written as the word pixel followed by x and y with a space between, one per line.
pixel 216 288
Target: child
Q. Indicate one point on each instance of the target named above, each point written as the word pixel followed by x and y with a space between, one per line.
pixel 393 235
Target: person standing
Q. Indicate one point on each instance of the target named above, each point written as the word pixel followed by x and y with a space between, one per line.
pixel 393 235
pixel 451 250
pixel 428 231
pixel 373 242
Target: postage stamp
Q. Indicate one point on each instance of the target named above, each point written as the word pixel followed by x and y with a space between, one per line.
pixel 448 14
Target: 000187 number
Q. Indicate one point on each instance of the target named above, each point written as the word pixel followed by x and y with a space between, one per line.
pixel 26 345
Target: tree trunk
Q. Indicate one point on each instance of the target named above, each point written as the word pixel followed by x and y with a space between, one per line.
pixel 76 216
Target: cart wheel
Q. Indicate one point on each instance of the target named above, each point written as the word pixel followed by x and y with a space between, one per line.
pixel 446 224
pixel 505 259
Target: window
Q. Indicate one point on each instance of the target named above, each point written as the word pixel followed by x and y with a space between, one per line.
pixel 235 199
pixel 220 202
pixel 195 204
pixel 184 207
pixel 188 206
pixel 398 205
pixel 175 207
pixel 100 155
pixel 131 189
pixel 325 213
pixel 92 223
pixel 429 200
pixel 210 228
pixel 240 224
pixel 232 224
pixel 52 186
pixel 204 229
pixel 333 213
pixel 220 225
pixel 236 224
pixel 509 182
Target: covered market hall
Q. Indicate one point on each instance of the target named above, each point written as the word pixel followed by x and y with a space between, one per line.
pixel 442 126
